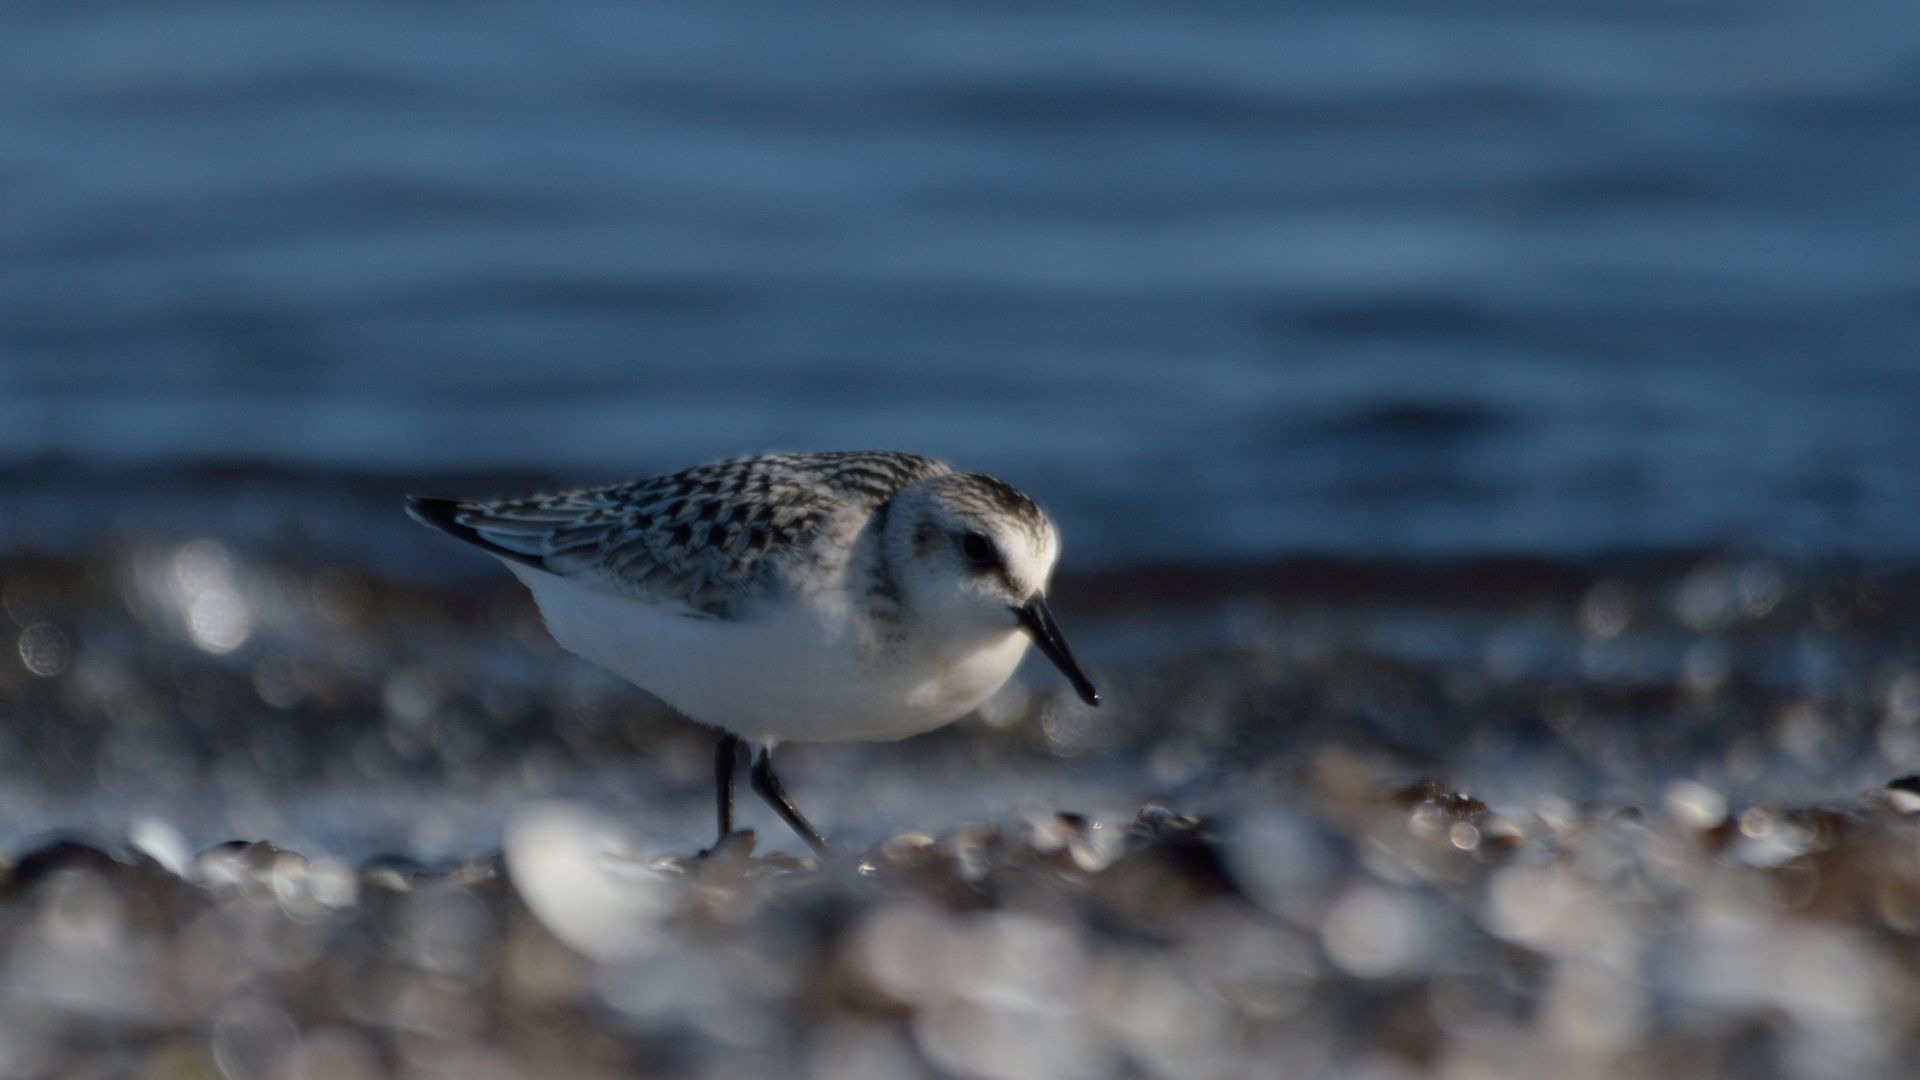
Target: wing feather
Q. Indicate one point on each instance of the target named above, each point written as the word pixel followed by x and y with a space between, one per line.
pixel 700 538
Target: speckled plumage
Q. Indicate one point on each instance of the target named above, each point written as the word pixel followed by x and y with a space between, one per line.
pixel 695 537
pixel 860 595
pixel 712 535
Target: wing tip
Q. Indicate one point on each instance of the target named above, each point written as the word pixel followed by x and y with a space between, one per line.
pixel 444 514
pixel 438 513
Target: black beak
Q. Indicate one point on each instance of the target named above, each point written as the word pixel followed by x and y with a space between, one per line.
pixel 1039 622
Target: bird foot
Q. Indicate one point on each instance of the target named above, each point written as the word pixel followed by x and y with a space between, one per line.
pixel 736 846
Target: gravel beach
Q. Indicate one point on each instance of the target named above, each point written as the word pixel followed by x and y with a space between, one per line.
pixel 1504 818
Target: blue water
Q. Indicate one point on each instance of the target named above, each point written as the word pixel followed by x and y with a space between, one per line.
pixel 1211 279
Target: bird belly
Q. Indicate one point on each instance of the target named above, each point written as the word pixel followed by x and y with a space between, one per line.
pixel 792 672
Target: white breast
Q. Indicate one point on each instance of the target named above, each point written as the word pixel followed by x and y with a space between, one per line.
pixel 802 670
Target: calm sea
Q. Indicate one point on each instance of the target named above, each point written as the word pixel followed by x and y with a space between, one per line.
pixel 1400 279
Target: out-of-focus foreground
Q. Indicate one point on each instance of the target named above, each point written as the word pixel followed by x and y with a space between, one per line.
pixel 1508 819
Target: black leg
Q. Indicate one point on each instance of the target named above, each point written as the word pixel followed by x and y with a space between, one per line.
pixel 767 786
pixel 726 762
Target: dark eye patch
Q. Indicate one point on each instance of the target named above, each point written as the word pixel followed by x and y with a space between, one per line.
pixel 980 551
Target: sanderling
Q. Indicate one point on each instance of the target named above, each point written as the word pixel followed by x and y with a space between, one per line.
pixel 812 597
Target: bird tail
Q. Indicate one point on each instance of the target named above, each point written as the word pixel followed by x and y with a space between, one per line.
pixel 445 514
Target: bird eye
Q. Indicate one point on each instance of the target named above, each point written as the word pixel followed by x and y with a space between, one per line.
pixel 979 550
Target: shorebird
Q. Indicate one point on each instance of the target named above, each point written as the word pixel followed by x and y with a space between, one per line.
pixel 810 597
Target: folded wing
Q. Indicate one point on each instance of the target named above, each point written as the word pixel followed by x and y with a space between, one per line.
pixel 700 538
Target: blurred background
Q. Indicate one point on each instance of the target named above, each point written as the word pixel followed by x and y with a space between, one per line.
pixel 1509 397
pixel 1215 280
